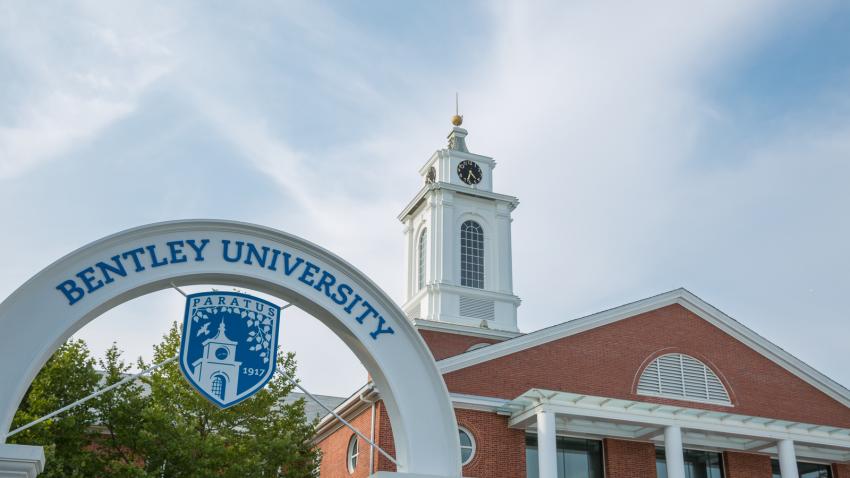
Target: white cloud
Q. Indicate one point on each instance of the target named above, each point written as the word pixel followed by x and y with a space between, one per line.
pixel 594 112
pixel 80 69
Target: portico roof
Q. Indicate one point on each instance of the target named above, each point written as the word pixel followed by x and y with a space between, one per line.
pixel 628 419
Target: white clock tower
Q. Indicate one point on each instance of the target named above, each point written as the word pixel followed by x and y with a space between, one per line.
pixel 458 236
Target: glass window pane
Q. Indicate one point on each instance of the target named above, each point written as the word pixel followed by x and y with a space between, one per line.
pixel 698 463
pixel 472 255
pixel 661 469
pixel 464 438
pixel 576 457
pixel 531 470
pixel 422 258
pixel 805 470
pixel 465 453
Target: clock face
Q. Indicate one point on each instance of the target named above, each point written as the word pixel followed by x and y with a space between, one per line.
pixel 469 172
pixel 431 176
pixel 221 353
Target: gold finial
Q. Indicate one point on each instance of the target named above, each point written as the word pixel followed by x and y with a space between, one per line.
pixel 457 119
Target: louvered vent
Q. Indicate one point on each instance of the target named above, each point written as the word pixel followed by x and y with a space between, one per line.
pixel 477 308
pixel 683 377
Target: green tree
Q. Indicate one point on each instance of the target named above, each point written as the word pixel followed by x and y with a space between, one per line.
pixel 160 427
pixel 119 419
pixel 68 376
pixel 187 436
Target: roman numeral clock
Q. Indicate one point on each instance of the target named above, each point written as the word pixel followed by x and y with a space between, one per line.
pixel 469 172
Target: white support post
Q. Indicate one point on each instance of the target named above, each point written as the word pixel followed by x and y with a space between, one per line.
pixel 673 452
pixel 547 454
pixel 787 459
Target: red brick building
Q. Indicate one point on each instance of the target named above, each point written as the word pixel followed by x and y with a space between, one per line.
pixel 666 386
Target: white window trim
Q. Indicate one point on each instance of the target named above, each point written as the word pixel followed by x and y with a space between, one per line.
pixel 352 451
pixel 474 446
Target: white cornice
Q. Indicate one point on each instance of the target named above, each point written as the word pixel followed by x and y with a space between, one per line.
pixel 415 201
pixel 511 201
pixel 446 327
pixel 475 292
pixel 480 403
pixel 679 296
pixel 352 406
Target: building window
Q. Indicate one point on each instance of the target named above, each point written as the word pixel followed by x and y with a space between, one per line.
pixel 218 386
pixel 805 470
pixel 351 456
pixel 472 255
pixel 577 457
pixel 420 277
pixel 467 446
pixel 682 377
pixel 698 464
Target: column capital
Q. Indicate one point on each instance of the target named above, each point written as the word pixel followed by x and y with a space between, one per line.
pixel 21 460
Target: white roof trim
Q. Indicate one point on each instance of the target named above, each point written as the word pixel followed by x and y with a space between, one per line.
pixel 571 405
pixel 353 405
pixel 679 296
pixel 468 330
pixel 480 403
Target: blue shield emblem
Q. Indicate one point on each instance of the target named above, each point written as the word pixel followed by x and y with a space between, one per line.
pixel 228 349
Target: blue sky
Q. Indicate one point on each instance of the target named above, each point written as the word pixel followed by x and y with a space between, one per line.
pixel 652 146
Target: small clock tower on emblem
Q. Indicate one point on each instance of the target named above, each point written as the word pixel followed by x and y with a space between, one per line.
pixel 228 349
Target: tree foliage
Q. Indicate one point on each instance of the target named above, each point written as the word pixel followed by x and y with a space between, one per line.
pixel 159 426
pixel 66 377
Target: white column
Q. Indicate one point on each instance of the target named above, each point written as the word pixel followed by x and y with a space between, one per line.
pixel 673 452
pixel 23 461
pixel 410 288
pixel 787 459
pixel 547 455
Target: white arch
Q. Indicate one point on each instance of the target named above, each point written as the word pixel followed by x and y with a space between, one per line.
pixel 39 316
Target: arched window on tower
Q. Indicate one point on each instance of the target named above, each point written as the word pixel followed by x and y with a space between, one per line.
pixel 421 257
pixel 682 377
pixel 218 386
pixel 472 255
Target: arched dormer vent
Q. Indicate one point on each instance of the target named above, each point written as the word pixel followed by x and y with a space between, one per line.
pixel 682 377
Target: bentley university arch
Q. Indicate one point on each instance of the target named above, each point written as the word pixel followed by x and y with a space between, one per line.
pixel 41 314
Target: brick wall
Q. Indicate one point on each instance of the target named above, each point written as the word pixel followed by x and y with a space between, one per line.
pixel 500 451
pixel 840 470
pixel 629 459
pixel 335 450
pixel 384 439
pixel 444 345
pixel 746 465
pixel 607 361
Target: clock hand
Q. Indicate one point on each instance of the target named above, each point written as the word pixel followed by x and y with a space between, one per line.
pixel 470 176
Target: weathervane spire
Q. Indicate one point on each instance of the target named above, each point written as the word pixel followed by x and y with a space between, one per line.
pixel 457 119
